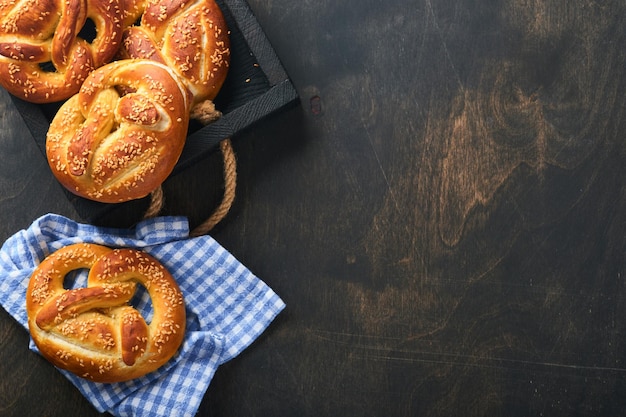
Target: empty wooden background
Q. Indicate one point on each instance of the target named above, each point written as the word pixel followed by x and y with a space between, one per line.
pixel 444 215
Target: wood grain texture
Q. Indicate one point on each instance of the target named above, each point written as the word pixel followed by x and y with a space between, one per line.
pixel 445 215
pixel 459 212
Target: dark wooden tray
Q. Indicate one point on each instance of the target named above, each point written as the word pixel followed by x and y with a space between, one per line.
pixel 257 86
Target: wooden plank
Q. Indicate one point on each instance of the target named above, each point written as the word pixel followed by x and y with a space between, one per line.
pixel 445 216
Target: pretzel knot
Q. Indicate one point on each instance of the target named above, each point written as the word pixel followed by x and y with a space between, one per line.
pixel 122 134
pixel 43 57
pixel 189 36
pixel 92 331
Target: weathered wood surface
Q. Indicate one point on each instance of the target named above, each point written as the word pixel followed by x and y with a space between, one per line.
pixel 445 216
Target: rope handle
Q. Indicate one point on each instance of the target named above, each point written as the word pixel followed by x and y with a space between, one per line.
pixel 157 198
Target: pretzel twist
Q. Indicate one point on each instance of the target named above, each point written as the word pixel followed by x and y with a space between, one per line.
pixel 122 134
pixel 92 331
pixel 189 36
pixel 35 34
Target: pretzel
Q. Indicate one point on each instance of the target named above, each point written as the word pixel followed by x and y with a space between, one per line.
pixel 92 331
pixel 189 36
pixel 132 11
pixel 122 134
pixel 43 57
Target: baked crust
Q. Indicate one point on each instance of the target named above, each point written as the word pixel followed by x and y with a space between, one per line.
pixel 93 332
pixel 120 137
pixel 189 36
pixel 43 57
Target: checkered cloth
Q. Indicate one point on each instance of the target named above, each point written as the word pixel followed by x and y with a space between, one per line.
pixel 227 307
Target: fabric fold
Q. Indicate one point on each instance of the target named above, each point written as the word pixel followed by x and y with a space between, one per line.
pixel 227 306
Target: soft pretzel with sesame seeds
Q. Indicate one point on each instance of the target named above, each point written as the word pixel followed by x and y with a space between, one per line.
pixel 43 57
pixel 189 36
pixel 92 331
pixel 120 137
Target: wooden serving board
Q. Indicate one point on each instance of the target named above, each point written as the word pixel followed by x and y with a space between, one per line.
pixel 257 86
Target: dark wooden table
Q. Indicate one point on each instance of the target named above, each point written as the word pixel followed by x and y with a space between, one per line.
pixel 444 215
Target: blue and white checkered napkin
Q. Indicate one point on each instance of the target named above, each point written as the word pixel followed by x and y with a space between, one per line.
pixel 227 306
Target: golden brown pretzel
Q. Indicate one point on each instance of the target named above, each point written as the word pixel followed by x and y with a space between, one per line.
pixel 36 33
pixel 92 331
pixel 120 137
pixel 132 10
pixel 189 36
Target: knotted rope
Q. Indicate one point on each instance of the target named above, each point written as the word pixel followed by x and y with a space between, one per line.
pixel 157 198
